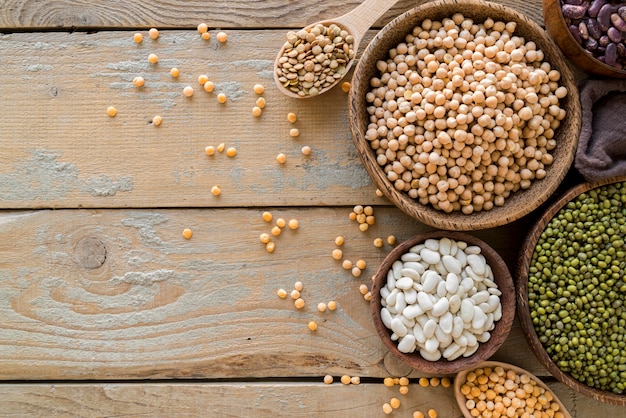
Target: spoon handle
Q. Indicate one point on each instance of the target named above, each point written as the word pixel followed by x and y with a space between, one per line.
pixel 362 17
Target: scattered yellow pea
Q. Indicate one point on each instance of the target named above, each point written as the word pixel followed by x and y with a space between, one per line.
pixel 267 216
pixel 293 224
pixel 361 264
pixel 222 37
pixel 367 296
pixel 138 37
pixel 202 79
pixel 388 381
pixel 291 117
pixel 312 325
pixel 188 91
pixel 264 238
pixel 423 382
pixel 387 409
pixel 332 305
pixel 432 413
pixel 298 286
pixel 157 120
pixel 321 307
pixel 395 403
pixel 270 247
pixel 257 111
pixel 187 233
pixel 355 380
pixel 346 264
pixel 295 132
pixel 216 191
pixel 111 111
pixel 352 216
pixel 337 254
pixel 258 88
pixel 174 72
pixel 378 242
pixel 282 293
pixel 209 86
pixel 306 150
pixel 435 381
pixel 221 147
pixel 391 240
pixel 231 152
pixel 418 414
pixel 363 227
pixel 363 289
pixel 281 223
pixel 276 231
pixel 445 382
pixel 403 381
pixel 379 193
pixel 339 240
pixel 153 58
pixel 221 98
pixel 345 379
pixel 403 390
pixel 210 150
pixel 356 272
pixel 345 86
pixel 206 36
pixel 203 27
pixel 328 379
pixel 281 158
pixel 299 304
pixel 295 294
pixel 153 33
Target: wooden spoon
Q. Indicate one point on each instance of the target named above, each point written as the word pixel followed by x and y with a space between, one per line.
pixel 356 22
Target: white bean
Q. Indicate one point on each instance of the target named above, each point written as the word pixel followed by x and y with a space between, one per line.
pixel 431 345
pixel 446 322
pixel 430 280
pixel 451 264
pixel 405 283
pixel 407 344
pixel 418 332
pixel 411 311
pixel 457 326
pixel 455 304
pixel 430 256
pixel 432 244
pixel 429 328
pixel 410 296
pixel 477 263
pixel 441 306
pixel 434 356
pixel 445 245
pixel 410 257
pixel 409 272
pixel 424 301
pixel 479 318
pixel 452 283
pixel 397 267
pixel 467 310
pixel 385 316
pixel 398 327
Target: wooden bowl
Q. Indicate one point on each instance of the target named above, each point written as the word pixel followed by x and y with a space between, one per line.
pixel 559 32
pixel 503 279
pixel 461 378
pixel 519 203
pixel 523 310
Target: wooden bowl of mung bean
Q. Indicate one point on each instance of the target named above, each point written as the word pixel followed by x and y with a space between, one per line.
pixel 571 291
pixel 443 301
pixel 457 129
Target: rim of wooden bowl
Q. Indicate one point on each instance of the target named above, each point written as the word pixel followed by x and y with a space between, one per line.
pixel 503 279
pixel 461 377
pixel 560 34
pixel 523 313
pixel 518 204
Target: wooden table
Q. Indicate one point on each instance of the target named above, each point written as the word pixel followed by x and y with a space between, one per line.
pixel 105 309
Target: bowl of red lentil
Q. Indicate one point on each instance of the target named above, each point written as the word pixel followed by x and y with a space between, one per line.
pixel 510 391
pixel 465 114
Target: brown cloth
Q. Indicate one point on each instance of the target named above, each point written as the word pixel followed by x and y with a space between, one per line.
pixel 601 149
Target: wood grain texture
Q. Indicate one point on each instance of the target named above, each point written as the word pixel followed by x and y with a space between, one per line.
pixel 120 294
pixel 59 148
pixel 264 399
pixel 124 14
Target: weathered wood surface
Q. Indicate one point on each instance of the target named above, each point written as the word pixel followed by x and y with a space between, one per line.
pixel 299 399
pixel 120 14
pixel 120 294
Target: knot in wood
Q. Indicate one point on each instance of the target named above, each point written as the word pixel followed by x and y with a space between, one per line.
pixel 90 253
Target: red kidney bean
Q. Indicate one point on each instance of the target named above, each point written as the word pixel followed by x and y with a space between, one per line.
pixel 614 34
pixel 593 28
pixel 610 55
pixel 604 17
pixel 571 11
pixel 595 7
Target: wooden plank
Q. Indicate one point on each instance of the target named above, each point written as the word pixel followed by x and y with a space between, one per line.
pixel 59 148
pixel 120 294
pixel 90 15
pixel 262 399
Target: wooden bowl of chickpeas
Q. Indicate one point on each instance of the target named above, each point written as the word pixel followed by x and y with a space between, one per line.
pixel 465 114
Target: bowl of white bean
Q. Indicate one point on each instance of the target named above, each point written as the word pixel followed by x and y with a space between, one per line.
pixel 465 114
pixel 443 301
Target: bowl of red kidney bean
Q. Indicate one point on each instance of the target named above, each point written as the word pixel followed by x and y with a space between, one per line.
pixel 591 33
